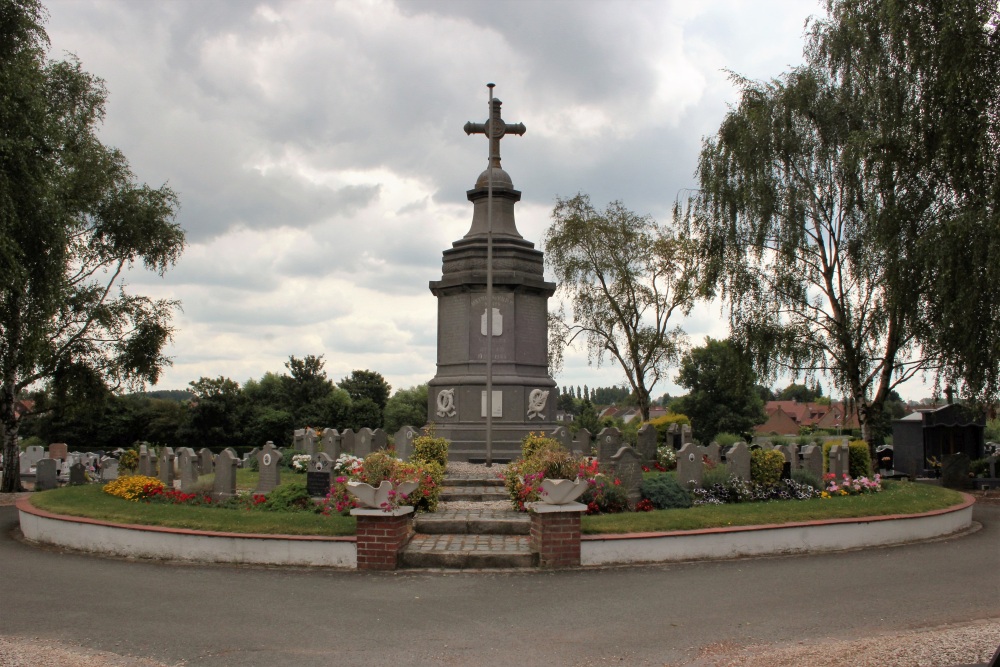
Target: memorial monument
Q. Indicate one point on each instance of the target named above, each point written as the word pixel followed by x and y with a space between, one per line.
pixel 512 330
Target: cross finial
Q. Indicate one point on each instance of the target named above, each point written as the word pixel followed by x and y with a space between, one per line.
pixel 494 128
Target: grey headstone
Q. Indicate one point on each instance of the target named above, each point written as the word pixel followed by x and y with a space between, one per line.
pixel 45 475
pixel 225 474
pixel 347 439
pixel 690 467
pixel 30 458
pixel 310 443
pixel 839 461
pixel 165 461
pixel 77 474
pixel 609 441
pixel 404 441
pixel 955 471
pixel 738 461
pixel 109 469
pixel 322 462
pixel 269 462
pixel 379 440
pixel 363 442
pixel 189 466
pixel 206 461
pixel 785 451
pixel 147 466
pixel 687 435
pixel 583 442
pixel 331 442
pixel 298 439
pixel 563 437
pixel 812 460
pixel 628 469
pixel 646 443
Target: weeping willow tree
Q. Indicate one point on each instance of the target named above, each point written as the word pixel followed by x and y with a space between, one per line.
pixel 848 208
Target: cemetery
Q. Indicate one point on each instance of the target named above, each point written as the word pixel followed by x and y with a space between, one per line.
pixel 422 497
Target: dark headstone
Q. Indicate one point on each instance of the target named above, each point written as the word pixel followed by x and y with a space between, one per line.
pixel 46 475
pixel 77 474
pixel 318 483
pixel 646 443
pixel 955 471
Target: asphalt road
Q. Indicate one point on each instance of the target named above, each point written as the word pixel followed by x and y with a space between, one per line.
pixel 246 616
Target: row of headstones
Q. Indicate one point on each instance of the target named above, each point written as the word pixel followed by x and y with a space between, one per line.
pixel 691 460
pixel 610 440
pixel 359 443
pixel 58 452
pixel 58 464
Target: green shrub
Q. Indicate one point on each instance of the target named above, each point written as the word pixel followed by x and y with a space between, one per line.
pixel 286 458
pixel 253 464
pixel 859 459
pixel 980 467
pixel 128 462
pixel 727 439
pixel 379 466
pixel 550 460
pixel 291 497
pixel 665 492
pixel 662 424
pixel 766 467
pixel 715 475
pixel 536 442
pixel 803 476
pixel 429 449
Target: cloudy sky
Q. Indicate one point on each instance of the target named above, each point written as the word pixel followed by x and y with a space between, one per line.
pixel 318 152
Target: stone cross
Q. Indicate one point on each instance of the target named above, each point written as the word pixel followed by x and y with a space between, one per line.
pixel 494 128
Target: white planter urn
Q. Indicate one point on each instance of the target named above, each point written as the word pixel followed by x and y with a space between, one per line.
pixel 561 491
pixel 379 498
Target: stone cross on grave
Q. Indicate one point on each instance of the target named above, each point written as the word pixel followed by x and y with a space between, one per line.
pixel 495 129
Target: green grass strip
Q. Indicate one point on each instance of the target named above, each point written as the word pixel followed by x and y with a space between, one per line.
pixel 90 501
pixel 897 498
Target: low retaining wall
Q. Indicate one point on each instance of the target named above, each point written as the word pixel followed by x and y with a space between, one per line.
pixel 791 538
pixel 132 541
pixel 633 548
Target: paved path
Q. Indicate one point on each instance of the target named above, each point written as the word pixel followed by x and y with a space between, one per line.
pixel 222 615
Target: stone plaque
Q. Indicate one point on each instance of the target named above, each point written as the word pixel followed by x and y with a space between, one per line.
pixel 318 483
pixel 497 404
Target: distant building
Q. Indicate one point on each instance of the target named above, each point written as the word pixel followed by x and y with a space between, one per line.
pixel 788 417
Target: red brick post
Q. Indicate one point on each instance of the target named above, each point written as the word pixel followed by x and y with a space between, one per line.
pixel 555 533
pixel 381 536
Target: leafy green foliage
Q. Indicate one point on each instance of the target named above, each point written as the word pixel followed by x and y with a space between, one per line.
pixel 766 467
pixel 430 449
pixel 665 492
pixel 369 394
pixel 73 222
pixel 859 458
pixel 290 497
pixel 721 391
pixel 806 477
pixel 624 277
pixel 407 407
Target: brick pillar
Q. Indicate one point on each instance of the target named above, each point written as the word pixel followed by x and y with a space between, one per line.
pixel 555 533
pixel 381 536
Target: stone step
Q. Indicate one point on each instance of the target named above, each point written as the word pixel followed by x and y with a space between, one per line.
pixel 468 551
pixel 455 480
pixel 473 522
pixel 473 493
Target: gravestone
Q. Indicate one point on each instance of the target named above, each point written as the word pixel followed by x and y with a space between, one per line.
pixel 319 475
pixel 310 442
pixel 298 439
pixel 646 443
pixel 58 450
pixel 687 435
pixel 347 438
pixel 147 467
pixel 269 462
pixel 380 440
pixel 45 475
pixel 77 474
pixel 812 460
pixel 839 461
pixel 224 485
pixel 189 466
pixel 30 458
pixel 786 453
pixel 562 435
pixel 738 461
pixel 609 441
pixel 331 443
pixel 403 441
pixel 206 461
pixel 690 468
pixel 363 443
pixel 250 456
pixel 628 470
pixel 955 471
pixel 583 442
pixel 884 458
pixel 165 461
pixel 109 469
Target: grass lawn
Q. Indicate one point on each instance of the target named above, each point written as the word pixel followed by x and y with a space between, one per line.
pixel 896 498
pixel 91 501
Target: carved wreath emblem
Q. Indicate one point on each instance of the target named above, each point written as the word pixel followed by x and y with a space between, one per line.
pixel 446 403
pixel 536 403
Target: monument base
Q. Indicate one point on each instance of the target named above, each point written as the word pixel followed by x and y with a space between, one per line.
pixel 468 441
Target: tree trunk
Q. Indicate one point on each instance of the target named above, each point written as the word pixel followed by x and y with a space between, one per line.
pixel 11 482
